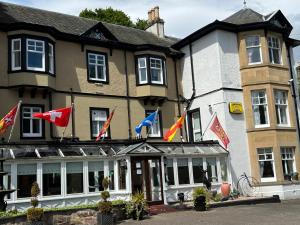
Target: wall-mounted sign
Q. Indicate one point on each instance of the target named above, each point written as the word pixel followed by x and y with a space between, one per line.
pixel 235 107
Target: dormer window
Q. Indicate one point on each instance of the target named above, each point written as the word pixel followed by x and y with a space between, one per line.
pixel 33 54
pixel 253 49
pixel 151 70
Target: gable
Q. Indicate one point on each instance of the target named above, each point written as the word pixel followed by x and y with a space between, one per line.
pixel 280 21
pixel 99 32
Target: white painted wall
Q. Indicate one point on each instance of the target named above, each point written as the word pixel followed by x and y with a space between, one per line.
pixel 216 65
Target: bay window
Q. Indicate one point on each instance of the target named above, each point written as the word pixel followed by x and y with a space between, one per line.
pixel 31 127
pixel 151 70
pixel 35 55
pixel 253 49
pixel 288 162
pixel 266 164
pixel 16 54
pixel 74 177
pixel 260 108
pixel 97 67
pixel 51 179
pixel 274 50
pixel 51 58
pixel 281 106
pixel 26 176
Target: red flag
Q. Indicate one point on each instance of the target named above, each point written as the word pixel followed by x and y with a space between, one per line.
pixel 60 117
pixel 105 126
pixel 8 119
pixel 219 131
pixel 172 131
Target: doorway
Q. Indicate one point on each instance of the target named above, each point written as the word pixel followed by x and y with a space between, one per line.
pixel 147 177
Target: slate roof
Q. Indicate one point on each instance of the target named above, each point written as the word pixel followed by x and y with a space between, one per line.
pixel 11 13
pixel 245 16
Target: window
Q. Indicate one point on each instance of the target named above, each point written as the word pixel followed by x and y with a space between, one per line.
pixel 288 162
pixel 281 106
pixel 155 129
pixel 31 126
pixel 16 54
pixel 51 179
pixel 122 174
pixel 111 166
pixel 266 164
pixel 98 118
pixel 35 55
pixel 253 49
pixel 183 171
pixel 212 173
pixel 74 177
pixel 26 175
pixel 223 164
pixel 97 67
pixel 142 64
pixel 151 70
pixel 51 58
pixel 156 71
pixel 7 179
pixel 170 172
pixel 274 50
pixel 198 170
pixel 195 125
pixel 96 175
pixel 260 108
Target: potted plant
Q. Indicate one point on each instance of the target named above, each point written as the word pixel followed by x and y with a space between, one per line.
pixel 34 214
pixel 136 208
pixel 234 194
pixel 200 197
pixel 105 216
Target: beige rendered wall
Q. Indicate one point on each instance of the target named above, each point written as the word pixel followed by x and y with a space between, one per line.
pixel 268 77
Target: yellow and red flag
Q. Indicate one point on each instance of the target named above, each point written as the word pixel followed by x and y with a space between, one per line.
pixel 172 131
pixel 8 119
pixel 105 126
pixel 219 131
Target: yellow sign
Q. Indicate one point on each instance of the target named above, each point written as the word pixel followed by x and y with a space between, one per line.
pixel 235 107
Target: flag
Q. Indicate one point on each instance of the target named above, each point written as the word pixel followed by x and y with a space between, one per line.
pixel 219 131
pixel 172 131
pixel 60 117
pixel 105 126
pixel 148 122
pixel 8 119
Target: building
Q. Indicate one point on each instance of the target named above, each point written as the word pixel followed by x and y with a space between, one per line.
pixel 51 60
pixel 247 60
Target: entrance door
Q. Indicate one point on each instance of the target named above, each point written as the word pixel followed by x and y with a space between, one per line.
pixel 146 177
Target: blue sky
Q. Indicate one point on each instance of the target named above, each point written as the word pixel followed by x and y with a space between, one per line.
pixel 181 17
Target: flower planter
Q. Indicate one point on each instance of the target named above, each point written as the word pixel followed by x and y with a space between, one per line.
pixel 225 189
pixel 134 216
pixel 119 212
pixel 200 203
pixel 36 223
pixel 105 219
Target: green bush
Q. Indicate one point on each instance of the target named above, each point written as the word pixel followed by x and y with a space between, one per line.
pixel 105 207
pixel 137 206
pixel 217 198
pixel 199 191
pixel 105 195
pixel 34 202
pixel 118 202
pixel 105 183
pixel 35 214
pixel 35 189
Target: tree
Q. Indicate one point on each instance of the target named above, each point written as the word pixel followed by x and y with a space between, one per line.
pixel 114 16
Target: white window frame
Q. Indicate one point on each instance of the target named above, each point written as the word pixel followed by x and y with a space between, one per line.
pixel 157 123
pixel 271 45
pixel 194 131
pixel 42 181
pixel 51 58
pixel 139 70
pixel 285 156
pixel 94 110
pixel 31 122
pixel 155 68
pixel 278 105
pixel 96 64
pixel 35 51
pixel 13 51
pixel 254 46
pixel 265 104
pixel 266 179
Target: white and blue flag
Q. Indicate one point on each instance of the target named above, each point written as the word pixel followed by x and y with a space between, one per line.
pixel 147 122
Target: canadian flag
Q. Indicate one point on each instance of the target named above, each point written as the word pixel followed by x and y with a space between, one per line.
pixel 60 117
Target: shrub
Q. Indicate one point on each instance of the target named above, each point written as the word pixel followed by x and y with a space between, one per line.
pixel 199 191
pixel 105 207
pixel 34 202
pixel 137 206
pixel 35 189
pixel 35 214
pixel 118 202
pixel 105 195
pixel 105 183
pixel 217 198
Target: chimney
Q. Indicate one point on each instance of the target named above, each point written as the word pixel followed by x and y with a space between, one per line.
pixel 155 23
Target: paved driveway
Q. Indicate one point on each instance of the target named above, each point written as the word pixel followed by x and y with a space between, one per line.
pixel 285 213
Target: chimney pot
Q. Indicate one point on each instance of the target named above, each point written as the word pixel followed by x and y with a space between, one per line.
pixel 156 12
pixel 152 15
pixel 149 16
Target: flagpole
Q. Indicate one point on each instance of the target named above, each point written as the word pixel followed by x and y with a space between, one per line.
pixel 215 113
pixel 63 134
pixel 13 126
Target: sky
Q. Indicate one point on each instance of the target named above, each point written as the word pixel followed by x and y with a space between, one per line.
pixel 182 17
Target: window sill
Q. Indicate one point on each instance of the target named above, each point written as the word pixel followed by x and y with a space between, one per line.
pixel 152 84
pixel 31 71
pixel 97 81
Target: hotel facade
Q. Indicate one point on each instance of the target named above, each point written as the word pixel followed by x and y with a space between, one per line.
pixel 50 60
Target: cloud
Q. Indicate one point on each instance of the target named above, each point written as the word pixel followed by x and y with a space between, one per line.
pixel 181 17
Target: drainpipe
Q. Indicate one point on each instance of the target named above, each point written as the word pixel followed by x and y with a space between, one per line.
pixel 177 92
pixel 73 113
pixel 294 94
pixel 127 95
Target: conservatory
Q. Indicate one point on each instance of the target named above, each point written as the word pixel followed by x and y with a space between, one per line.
pixel 72 174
